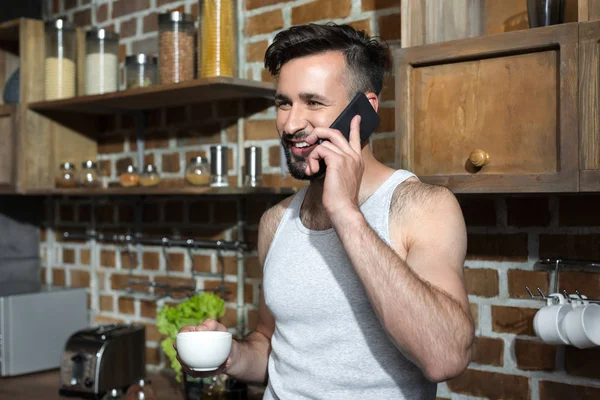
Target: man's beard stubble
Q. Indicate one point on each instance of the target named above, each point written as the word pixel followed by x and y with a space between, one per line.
pixel 297 167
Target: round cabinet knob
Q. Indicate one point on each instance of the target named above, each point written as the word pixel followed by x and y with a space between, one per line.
pixel 479 158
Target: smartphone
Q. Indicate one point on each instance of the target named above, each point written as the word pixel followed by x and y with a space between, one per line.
pixel 369 120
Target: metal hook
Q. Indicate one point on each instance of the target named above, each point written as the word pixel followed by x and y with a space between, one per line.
pixel 529 291
pixel 542 293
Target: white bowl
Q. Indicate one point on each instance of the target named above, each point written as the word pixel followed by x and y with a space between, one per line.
pixel 204 350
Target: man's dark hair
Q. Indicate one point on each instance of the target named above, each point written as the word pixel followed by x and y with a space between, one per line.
pixel 366 58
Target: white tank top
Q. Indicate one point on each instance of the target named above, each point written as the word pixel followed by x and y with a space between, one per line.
pixel 328 342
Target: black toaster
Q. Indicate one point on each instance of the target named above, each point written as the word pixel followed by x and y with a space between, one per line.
pixel 96 360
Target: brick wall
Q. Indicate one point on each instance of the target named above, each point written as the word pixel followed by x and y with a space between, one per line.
pixel 507 234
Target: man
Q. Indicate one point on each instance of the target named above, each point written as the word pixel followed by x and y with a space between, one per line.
pixel 363 293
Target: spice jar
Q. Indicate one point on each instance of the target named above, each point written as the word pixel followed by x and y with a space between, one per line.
pixel 217 47
pixel 176 47
pixel 129 177
pixel 89 174
pixel 140 71
pixel 60 63
pixel 150 176
pixel 101 61
pixel 66 177
pixel 197 172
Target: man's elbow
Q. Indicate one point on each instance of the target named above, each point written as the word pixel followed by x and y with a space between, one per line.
pixel 442 371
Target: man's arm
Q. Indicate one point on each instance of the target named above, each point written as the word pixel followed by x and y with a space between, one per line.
pixel 420 297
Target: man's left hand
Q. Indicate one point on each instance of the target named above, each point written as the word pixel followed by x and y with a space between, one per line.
pixel 345 167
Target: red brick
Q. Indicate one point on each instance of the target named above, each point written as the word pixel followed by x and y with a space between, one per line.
pixel 497 247
pixel 389 27
pixel 561 391
pixel 491 385
pixel 128 28
pixel 101 13
pixel 170 162
pixel 528 211
pixel 120 282
pixel 160 3
pixel 126 305
pixel 150 23
pixel 106 303
pixel 148 45
pixel 124 7
pixel 148 309
pixel 176 261
pixel 583 247
pixel 58 276
pixel 253 267
pixel 518 279
pixel 579 210
pixel 384 150
pixel 174 282
pixel 535 356
pixel 68 256
pixel 196 135
pixel 260 129
pixel 153 355
pixel 150 260
pixel 371 5
pixel 478 211
pixel 482 282
pixel 274 156
pixel 229 319
pixel 265 76
pixel 321 10
pixel 513 320
pixel 255 52
pixel 588 283
pixel 69 4
pixel 55 6
pixel 266 22
pixel 107 258
pixel 201 263
pixel 80 279
pixel 582 362
pixel 83 18
pixel 252 4
pixel 362 25
pixel 474 309
pixel 389 88
pixel 488 351
pixel 85 257
pixel 104 169
pixel 231 292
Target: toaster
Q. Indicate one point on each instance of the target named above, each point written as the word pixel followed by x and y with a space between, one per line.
pixel 96 360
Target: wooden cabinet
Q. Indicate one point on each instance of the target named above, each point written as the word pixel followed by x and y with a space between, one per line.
pixel 491 114
pixel 589 106
pixel 8 126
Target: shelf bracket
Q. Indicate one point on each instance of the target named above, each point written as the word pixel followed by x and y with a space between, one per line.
pixel 140 123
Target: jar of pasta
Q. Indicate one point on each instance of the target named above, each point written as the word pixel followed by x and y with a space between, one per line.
pixel 217 38
pixel 175 47
pixel 60 62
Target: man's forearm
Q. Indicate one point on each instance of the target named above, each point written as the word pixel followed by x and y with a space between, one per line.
pixel 428 325
pixel 250 358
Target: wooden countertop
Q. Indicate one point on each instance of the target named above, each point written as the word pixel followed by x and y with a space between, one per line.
pixel 44 386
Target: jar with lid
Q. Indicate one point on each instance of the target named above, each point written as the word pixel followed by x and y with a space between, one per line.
pixel 176 47
pixel 197 172
pixel 66 177
pixel 129 177
pixel 140 391
pixel 140 71
pixel 89 174
pixel 149 176
pixel 101 61
pixel 60 62
pixel 217 38
pixel 113 394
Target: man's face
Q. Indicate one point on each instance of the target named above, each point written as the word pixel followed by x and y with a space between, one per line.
pixel 310 93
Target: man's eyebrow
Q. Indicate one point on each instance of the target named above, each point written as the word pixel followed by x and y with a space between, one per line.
pixel 313 97
pixel 281 97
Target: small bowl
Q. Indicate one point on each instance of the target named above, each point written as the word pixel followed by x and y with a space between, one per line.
pixel 204 350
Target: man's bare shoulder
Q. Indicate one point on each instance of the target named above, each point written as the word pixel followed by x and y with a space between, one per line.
pixel 413 198
pixel 269 222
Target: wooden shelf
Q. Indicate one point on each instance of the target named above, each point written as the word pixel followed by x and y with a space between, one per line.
pixel 9 36
pixel 153 191
pixel 158 96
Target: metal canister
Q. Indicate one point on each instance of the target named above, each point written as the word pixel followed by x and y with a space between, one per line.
pixel 219 165
pixel 253 175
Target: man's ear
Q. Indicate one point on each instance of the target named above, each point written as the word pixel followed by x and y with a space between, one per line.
pixel 373 99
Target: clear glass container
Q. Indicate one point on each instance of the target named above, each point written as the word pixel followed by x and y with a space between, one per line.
pixel 140 391
pixel 141 70
pixel 89 174
pixel 101 61
pixel 197 172
pixel 150 176
pixel 176 47
pixel 129 177
pixel 217 38
pixel 113 394
pixel 60 62
pixel 66 177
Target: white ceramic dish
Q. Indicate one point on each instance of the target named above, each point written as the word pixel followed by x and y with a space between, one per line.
pixel 204 350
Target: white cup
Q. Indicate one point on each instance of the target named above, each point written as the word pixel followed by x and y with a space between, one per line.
pixel 204 350
pixel 548 321
pixel 582 324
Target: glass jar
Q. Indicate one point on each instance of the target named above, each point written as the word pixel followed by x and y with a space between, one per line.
pixel 89 174
pixel 66 177
pixel 101 61
pixel 149 176
pixel 60 62
pixel 141 71
pixel 113 394
pixel 217 38
pixel 129 177
pixel 176 47
pixel 197 172
pixel 140 391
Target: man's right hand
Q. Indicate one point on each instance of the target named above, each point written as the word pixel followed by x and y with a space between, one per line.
pixel 208 325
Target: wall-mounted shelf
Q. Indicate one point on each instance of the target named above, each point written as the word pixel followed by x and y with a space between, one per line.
pixel 165 190
pixel 158 96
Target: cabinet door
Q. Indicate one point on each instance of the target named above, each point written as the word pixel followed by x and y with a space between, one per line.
pixel 491 114
pixel 589 106
pixel 7 147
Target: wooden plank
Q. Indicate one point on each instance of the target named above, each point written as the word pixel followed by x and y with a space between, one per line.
pixel 158 96
pixel 560 39
pixel 589 104
pixel 589 180
pixel 589 10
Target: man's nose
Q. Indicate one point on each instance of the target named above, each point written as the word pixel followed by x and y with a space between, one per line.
pixel 296 121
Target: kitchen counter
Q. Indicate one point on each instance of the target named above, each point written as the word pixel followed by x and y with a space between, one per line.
pixel 44 386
